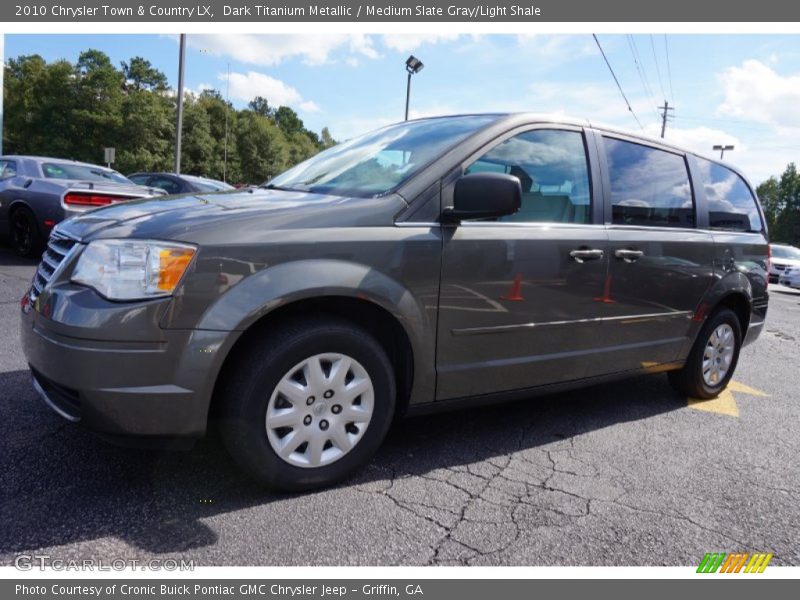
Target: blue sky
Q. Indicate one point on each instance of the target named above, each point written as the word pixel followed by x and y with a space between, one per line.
pixel 736 89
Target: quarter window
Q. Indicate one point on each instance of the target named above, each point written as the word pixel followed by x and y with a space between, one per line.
pixel 551 167
pixel 648 186
pixel 731 204
pixel 8 169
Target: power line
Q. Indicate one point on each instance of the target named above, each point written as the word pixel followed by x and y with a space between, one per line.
pixel 642 76
pixel 619 87
pixel 658 69
pixel 669 67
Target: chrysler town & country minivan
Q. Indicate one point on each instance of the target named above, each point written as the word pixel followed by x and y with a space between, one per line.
pixel 428 264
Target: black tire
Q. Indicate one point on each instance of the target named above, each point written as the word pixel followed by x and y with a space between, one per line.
pixel 689 380
pixel 248 387
pixel 26 239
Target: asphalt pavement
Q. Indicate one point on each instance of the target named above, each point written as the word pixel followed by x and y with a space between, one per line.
pixel 627 473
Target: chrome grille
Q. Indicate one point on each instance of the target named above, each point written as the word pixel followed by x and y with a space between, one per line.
pixel 58 246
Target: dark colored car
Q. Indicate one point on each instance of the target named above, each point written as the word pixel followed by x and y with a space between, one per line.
pixel 37 192
pixel 426 265
pixel 180 184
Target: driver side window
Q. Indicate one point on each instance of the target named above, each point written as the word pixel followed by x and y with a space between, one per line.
pixel 553 172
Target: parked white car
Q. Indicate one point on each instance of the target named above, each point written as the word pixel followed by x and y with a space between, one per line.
pixel 783 256
pixel 790 277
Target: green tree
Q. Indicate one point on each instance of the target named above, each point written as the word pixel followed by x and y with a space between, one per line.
pixel 326 139
pixel 261 106
pixel 140 74
pixel 288 120
pixel 74 110
pixel 261 147
pixel 780 199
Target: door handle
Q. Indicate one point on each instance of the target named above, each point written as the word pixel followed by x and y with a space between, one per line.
pixel 628 255
pixel 584 254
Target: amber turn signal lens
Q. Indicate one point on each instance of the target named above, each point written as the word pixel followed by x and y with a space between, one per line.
pixel 172 263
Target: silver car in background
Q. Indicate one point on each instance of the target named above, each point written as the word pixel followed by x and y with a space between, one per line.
pixel 36 193
pixel 783 257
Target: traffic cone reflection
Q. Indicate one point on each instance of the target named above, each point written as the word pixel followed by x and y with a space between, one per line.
pixel 606 297
pixel 515 291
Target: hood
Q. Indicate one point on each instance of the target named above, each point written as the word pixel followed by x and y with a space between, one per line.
pixel 228 217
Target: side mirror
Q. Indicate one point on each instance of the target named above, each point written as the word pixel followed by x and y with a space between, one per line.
pixel 484 196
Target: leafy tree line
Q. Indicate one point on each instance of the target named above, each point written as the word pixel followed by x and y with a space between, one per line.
pixel 73 111
pixel 780 198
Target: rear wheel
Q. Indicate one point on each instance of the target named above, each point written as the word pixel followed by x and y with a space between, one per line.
pixel 308 405
pixel 25 236
pixel 713 357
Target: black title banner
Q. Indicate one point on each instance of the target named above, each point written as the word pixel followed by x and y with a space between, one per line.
pixel 400 11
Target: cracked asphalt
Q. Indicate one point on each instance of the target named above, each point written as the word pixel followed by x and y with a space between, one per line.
pixel 616 474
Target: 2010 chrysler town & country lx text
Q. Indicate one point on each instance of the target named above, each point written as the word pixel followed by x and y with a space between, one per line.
pixel 419 266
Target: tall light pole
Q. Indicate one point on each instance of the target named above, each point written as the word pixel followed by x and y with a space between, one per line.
pixel 227 100
pixel 413 65
pixel 179 119
pixel 722 149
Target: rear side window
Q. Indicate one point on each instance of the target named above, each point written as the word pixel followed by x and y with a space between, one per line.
pixel 648 186
pixel 731 204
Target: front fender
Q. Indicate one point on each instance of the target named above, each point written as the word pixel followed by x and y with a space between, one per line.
pixel 269 289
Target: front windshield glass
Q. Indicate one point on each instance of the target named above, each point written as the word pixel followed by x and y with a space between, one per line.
pixel 378 162
pixel 786 252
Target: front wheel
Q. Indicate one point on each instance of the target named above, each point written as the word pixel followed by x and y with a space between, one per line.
pixel 308 404
pixel 713 357
pixel 25 236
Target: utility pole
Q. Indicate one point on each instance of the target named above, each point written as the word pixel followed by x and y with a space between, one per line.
pixel 227 100
pixel 179 120
pixel 664 116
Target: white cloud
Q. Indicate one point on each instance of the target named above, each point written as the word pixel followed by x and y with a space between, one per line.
pixel 402 42
pixel 555 47
pixel 309 106
pixel 270 50
pixel 246 86
pixel 756 92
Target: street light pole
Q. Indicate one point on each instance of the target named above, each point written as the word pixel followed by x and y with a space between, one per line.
pixel 179 119
pixel 413 65
pixel 722 149
pixel 408 93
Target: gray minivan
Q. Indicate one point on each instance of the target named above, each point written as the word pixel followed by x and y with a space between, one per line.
pixel 426 265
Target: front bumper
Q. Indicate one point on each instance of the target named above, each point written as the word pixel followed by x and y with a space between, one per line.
pixel 158 384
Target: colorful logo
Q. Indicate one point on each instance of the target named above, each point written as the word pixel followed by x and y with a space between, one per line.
pixel 744 562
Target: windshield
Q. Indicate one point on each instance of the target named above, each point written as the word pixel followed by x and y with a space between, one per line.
pixel 786 252
pixel 82 172
pixel 378 162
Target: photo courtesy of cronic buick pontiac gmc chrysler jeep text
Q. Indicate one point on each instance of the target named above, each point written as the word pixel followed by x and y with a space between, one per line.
pixel 425 265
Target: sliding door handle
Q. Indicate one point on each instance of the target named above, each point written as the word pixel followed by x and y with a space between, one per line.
pixel 628 255
pixel 583 254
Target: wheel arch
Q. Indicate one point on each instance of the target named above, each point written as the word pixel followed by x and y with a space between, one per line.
pixel 385 327
pixel 353 292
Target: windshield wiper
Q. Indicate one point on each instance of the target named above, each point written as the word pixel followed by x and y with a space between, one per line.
pixel 272 186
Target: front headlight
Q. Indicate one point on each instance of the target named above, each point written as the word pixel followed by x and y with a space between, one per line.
pixel 133 269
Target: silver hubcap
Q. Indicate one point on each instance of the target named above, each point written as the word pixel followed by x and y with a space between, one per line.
pixel 718 355
pixel 320 410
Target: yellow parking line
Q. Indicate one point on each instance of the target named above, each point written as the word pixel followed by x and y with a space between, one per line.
pixel 725 403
